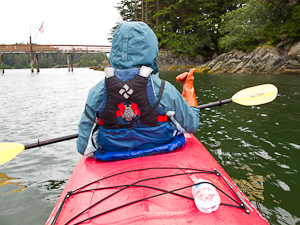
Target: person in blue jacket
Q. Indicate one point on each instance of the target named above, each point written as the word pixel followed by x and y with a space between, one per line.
pixel 106 125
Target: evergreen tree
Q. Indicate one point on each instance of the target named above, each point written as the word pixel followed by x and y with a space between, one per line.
pixel 18 62
pixel 188 27
pixel 130 10
pixel 50 61
pixel 272 22
pixel 245 26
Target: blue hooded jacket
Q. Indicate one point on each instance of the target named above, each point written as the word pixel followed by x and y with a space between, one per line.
pixel 134 44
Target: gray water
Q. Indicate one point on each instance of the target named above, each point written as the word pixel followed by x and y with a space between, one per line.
pixel 258 146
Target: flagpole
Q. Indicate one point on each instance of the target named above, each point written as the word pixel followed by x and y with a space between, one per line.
pixel 36 35
pixel 38 31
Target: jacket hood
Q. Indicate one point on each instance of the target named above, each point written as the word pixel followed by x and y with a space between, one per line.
pixel 134 44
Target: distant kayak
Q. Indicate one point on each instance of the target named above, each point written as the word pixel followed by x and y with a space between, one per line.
pixel 151 190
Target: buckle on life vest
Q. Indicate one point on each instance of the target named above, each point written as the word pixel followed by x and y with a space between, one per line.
pixel 128 113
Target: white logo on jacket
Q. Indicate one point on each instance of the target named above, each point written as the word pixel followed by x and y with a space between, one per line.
pixel 126 91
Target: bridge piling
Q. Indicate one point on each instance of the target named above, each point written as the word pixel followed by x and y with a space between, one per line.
pixel 72 61
pixel 37 63
pixel 68 60
pixel 2 63
pixel 31 60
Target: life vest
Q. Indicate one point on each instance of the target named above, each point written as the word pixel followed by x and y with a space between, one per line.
pixel 131 121
pixel 125 101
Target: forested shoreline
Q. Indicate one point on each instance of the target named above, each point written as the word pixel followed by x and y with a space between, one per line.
pixel 49 60
pixel 201 27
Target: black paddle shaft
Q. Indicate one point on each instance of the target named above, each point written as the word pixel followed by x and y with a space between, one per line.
pixel 219 103
pixel 55 140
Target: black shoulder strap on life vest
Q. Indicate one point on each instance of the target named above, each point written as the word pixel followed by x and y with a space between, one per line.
pixel 95 121
pixel 88 115
pixel 161 90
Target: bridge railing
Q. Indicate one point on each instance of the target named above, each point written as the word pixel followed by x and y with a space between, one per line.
pixel 55 48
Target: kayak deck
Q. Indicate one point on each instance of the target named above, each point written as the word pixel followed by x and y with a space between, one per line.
pixel 137 191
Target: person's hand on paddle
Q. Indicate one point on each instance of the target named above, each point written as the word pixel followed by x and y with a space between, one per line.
pixel 188 92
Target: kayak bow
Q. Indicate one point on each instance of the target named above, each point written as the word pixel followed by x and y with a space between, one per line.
pixel 151 190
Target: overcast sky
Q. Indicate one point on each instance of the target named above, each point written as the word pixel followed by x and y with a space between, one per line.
pixel 86 22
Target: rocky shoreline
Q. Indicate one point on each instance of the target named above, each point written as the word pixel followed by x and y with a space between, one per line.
pixel 263 60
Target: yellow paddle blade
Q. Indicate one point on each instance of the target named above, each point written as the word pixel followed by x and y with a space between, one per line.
pixel 256 95
pixel 8 151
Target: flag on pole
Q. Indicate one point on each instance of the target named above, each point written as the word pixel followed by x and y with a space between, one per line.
pixel 42 28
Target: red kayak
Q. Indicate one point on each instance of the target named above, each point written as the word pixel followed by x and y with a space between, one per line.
pixel 151 190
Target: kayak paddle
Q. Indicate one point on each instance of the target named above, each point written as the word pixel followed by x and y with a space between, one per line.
pixel 8 151
pixel 256 95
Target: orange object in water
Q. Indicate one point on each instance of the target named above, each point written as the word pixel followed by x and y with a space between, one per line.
pixel 104 193
pixel 188 92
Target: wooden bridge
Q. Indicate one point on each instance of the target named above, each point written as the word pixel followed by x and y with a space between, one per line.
pixel 33 49
pixel 54 48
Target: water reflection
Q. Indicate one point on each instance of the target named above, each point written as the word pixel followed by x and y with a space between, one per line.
pixel 6 180
pixel 253 186
pixel 53 184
